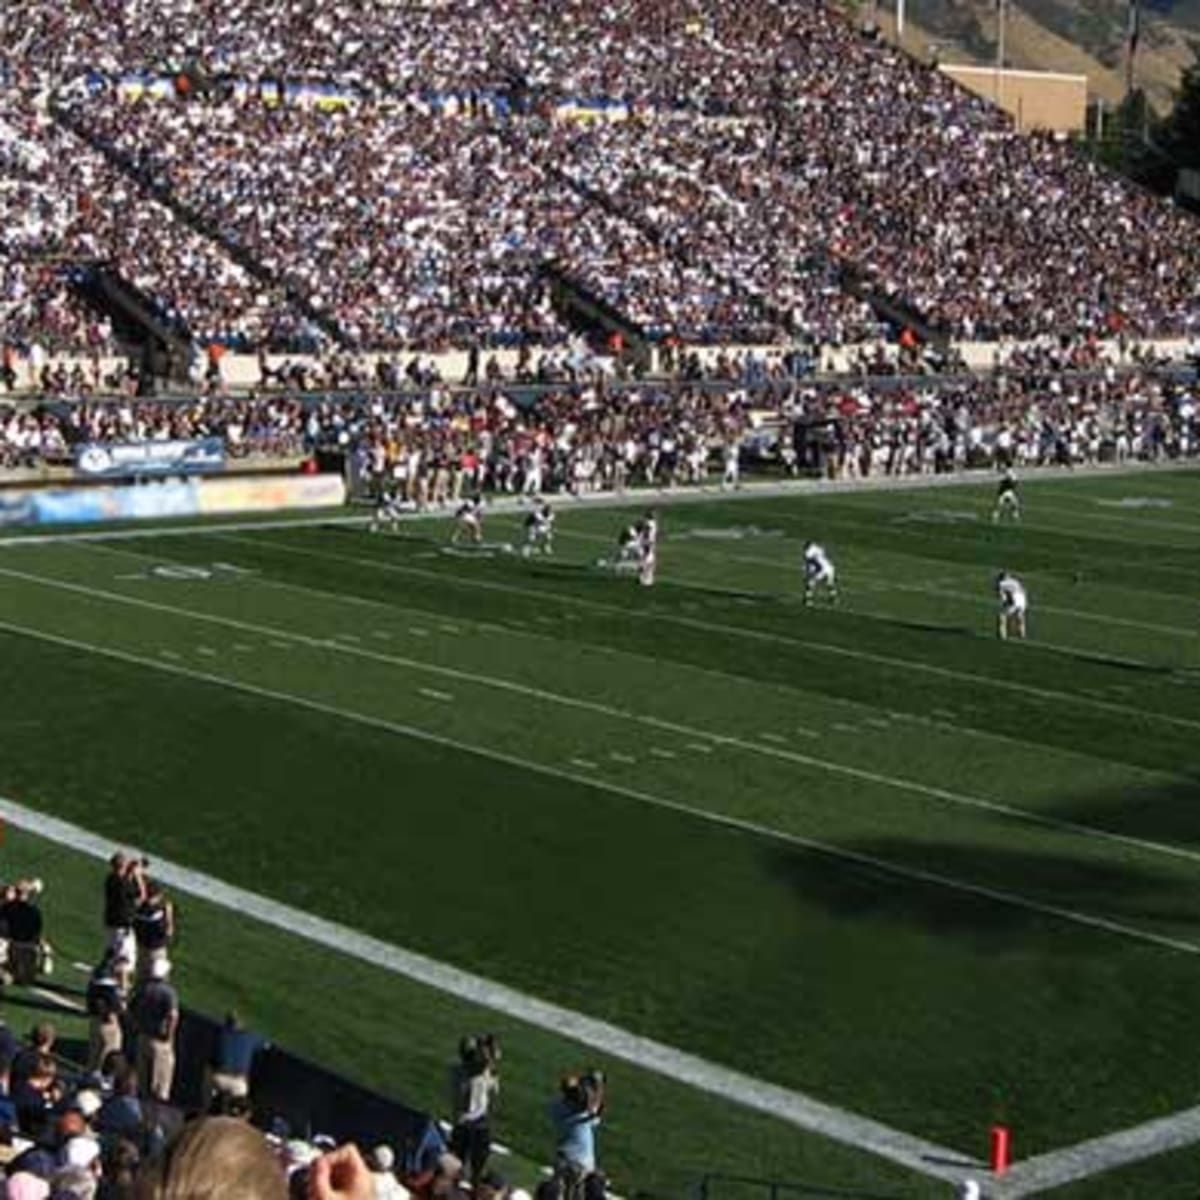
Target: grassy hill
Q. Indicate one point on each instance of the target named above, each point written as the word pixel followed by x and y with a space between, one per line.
pixel 1086 36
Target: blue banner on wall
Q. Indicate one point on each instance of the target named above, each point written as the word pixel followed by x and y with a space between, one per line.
pixel 150 458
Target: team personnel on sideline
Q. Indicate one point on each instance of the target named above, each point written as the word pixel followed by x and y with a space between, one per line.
pixel 539 530
pixel 468 521
pixel 1013 604
pixel 1008 503
pixel 819 574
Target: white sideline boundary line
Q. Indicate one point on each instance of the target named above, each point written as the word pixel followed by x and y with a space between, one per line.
pixel 770 1099
pixel 641 497
pixel 562 700
pixel 916 874
pixel 758 635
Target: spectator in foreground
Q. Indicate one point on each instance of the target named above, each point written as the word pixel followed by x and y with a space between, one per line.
pixel 382 1163
pixel 232 1057
pixel 156 1018
pixel 214 1158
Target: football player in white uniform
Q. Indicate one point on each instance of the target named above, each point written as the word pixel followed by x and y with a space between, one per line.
pixel 1008 503
pixel 1013 605
pixel 648 531
pixel 819 573
pixel 468 521
pixel 539 530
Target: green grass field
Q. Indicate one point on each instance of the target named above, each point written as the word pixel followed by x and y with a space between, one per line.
pixel 870 853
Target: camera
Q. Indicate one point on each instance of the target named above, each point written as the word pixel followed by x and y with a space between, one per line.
pixel 479 1053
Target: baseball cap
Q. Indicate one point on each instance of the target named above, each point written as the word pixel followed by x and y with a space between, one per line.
pixel 384 1158
pixel 80 1151
pixel 87 1101
pixel 160 968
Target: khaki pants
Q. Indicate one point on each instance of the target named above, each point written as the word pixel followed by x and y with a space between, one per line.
pixel 156 1067
pixel 230 1085
pixel 104 1038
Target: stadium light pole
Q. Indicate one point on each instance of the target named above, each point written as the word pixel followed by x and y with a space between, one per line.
pixel 1001 32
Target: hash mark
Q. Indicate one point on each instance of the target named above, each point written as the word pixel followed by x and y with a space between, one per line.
pixel 434 695
pixel 658 752
pixel 773 737
pixel 700 746
pixel 170 654
pixel 842 727
pixel 207 651
pixel 621 758
pixel 382 634
pixel 586 763
pixel 417 631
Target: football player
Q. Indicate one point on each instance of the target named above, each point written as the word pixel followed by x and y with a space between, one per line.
pixel 1013 605
pixel 819 573
pixel 539 530
pixel 1008 503
pixel 468 521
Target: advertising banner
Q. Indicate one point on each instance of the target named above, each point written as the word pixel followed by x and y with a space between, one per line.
pixel 150 458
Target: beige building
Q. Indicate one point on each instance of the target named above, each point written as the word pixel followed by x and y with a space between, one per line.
pixel 1036 99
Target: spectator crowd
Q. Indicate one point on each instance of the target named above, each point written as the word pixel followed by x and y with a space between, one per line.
pixel 107 1122
pixel 765 168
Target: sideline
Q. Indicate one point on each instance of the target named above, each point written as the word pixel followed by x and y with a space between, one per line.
pixel 797 1109
pixel 634 498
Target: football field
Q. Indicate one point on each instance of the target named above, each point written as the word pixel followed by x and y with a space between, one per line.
pixel 866 856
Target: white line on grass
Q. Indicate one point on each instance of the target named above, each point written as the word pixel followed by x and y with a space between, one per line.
pixel 794 1107
pixel 902 871
pixel 445 697
pixel 1097 1155
pixel 659 752
pixel 617 756
pixel 603 648
pixel 585 763
pixel 906 664
pixel 689 731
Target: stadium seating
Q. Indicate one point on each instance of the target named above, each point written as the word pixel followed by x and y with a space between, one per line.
pixel 414 179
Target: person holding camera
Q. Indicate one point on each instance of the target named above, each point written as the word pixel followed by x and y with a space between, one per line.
pixel 576 1114
pixel 474 1082
pixel 124 890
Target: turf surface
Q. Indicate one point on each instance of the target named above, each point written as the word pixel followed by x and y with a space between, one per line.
pixel 868 853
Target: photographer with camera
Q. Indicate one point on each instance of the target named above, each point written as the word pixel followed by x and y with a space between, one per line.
pixel 474 1081
pixel 124 890
pixel 576 1113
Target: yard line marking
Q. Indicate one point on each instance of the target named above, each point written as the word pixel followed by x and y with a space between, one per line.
pixel 586 763
pixel 1086 1159
pixel 659 752
pixel 619 652
pixel 900 870
pixel 617 756
pixel 699 747
pixel 688 731
pixel 878 722
pixel 417 631
pixel 906 664
pixel 797 1109
pixel 207 651
pixel 774 737
pixel 435 695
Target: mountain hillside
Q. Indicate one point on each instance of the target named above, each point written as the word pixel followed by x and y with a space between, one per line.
pixel 1083 36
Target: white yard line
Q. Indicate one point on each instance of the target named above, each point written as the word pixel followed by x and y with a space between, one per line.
pixel 1097 1155
pixel 901 871
pixel 511 629
pixel 562 700
pixel 905 664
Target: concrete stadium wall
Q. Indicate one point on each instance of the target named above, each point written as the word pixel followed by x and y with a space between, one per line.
pixel 1042 100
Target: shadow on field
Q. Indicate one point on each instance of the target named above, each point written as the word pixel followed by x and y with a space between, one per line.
pixel 996 891
pixel 1169 814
